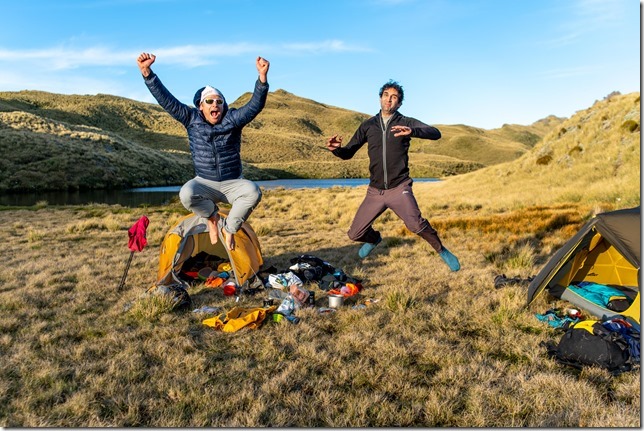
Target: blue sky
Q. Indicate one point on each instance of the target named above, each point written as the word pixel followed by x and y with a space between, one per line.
pixel 482 63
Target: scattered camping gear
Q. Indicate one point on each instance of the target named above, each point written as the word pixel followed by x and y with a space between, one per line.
pixel 189 238
pixel 136 242
pixel 310 268
pixel 296 299
pixel 610 344
pixel 336 300
pixel 313 269
pixel 605 252
pixel 180 298
pixel 284 280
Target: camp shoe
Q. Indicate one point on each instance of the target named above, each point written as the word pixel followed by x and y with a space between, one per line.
pixel 180 298
pixel 450 259
pixel 367 248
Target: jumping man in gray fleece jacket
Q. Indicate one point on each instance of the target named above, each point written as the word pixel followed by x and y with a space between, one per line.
pixel 214 135
pixel 388 135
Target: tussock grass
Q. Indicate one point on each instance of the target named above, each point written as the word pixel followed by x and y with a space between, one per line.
pixel 437 349
pixel 434 348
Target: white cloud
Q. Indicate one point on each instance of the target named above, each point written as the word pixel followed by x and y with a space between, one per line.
pixel 588 16
pixel 595 14
pixel 570 72
pixel 59 58
pixel 323 47
pixel 62 57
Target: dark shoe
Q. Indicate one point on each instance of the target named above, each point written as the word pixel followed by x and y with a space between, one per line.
pixel 450 259
pixel 180 298
pixel 367 248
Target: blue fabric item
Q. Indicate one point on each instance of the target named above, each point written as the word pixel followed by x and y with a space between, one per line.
pixel 551 318
pixel 597 293
pixel 630 334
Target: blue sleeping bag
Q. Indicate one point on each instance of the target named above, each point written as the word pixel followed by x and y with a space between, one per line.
pixel 599 294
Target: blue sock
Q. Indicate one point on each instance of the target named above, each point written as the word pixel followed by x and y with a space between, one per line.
pixel 367 248
pixel 450 259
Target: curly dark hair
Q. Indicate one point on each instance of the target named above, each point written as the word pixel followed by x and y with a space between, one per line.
pixel 393 84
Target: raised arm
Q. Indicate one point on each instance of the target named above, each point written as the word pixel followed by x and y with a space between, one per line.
pixel 334 144
pixel 144 61
pixel 171 104
pixel 262 68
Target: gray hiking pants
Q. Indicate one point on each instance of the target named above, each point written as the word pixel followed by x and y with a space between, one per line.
pixel 201 196
pixel 402 202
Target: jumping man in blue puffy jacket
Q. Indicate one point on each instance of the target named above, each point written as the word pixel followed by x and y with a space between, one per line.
pixel 214 134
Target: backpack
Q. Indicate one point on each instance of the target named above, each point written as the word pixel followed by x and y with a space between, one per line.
pixel 612 345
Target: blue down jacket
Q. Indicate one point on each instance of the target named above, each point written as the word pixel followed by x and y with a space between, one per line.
pixel 215 149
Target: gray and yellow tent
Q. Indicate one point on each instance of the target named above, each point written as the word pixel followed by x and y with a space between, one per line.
pixel 189 237
pixel 605 252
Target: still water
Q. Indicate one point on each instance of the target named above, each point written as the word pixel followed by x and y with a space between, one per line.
pixel 161 195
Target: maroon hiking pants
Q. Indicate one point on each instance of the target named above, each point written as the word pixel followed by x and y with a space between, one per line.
pixel 402 202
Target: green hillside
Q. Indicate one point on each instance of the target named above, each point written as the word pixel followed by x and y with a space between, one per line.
pixel 53 142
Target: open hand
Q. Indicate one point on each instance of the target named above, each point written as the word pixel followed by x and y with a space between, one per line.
pixel 401 130
pixel 334 142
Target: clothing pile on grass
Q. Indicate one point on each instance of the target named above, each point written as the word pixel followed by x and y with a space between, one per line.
pixel 287 291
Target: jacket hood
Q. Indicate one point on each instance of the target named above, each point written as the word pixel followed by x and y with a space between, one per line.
pixel 196 100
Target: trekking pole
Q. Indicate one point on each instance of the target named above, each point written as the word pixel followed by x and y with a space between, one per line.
pixel 127 267
pixel 136 242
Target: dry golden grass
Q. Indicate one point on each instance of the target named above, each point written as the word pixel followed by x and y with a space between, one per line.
pixel 593 156
pixel 439 349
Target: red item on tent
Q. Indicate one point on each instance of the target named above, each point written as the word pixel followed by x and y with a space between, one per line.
pixel 136 234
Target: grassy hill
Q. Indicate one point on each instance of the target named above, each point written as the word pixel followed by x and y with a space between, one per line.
pixel 51 142
pixel 295 129
pixel 592 156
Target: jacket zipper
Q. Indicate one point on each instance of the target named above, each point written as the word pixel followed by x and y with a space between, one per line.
pixel 384 151
pixel 216 154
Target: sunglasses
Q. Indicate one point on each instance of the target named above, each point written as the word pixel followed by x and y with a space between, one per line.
pixel 211 101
